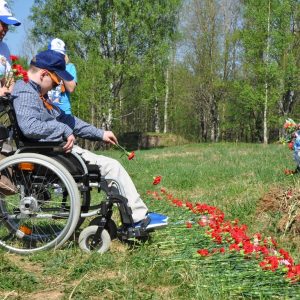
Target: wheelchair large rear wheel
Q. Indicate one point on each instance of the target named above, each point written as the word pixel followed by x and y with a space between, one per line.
pixel 44 210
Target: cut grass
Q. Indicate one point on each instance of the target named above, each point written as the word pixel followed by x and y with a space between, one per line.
pixel 230 176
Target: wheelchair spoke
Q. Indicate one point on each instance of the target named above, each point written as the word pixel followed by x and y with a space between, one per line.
pixel 38 216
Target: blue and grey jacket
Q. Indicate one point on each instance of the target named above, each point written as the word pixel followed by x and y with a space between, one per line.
pixel 38 123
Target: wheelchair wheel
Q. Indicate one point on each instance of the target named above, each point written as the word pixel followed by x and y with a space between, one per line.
pixel 110 226
pixel 45 208
pixel 86 237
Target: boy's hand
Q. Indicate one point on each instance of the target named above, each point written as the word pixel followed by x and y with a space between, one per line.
pixel 70 143
pixel 4 90
pixel 109 137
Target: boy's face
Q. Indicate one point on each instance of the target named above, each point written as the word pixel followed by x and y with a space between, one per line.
pixel 49 81
pixel 3 30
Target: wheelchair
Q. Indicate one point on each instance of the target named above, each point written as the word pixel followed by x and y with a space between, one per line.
pixel 46 194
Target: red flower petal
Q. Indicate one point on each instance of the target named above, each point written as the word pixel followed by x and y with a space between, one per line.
pixel 14 57
pixel 131 155
pixel 156 180
pixel 203 252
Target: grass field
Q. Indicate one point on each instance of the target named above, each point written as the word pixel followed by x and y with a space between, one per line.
pixel 231 176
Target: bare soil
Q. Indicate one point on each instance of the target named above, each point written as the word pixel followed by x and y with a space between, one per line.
pixel 284 202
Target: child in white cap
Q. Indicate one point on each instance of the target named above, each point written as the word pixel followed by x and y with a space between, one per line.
pixel 60 96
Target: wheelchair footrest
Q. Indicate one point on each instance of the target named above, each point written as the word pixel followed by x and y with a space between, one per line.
pixel 126 233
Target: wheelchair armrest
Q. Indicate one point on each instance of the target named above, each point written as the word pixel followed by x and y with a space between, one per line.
pixel 43 146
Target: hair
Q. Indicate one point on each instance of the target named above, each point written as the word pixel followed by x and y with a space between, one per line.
pixel 33 69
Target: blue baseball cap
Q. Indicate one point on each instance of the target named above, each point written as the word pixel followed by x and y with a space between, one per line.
pixel 52 61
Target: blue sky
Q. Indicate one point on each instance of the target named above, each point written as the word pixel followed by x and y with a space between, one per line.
pixel 14 40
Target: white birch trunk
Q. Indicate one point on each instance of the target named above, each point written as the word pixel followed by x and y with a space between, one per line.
pixel 266 81
pixel 166 102
pixel 156 110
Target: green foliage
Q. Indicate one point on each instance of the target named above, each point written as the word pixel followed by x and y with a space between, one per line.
pixel 114 45
pixel 269 58
pixel 220 57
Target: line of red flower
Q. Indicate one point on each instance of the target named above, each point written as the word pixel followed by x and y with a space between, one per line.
pixel 235 235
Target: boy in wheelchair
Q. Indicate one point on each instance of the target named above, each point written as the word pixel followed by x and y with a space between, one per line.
pixel 40 121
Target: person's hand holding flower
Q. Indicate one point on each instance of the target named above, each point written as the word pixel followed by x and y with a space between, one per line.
pixel 11 74
pixel 17 72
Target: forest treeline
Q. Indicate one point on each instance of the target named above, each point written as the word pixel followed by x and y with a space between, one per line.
pixel 208 70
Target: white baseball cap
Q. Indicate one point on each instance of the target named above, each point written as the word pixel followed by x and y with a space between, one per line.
pixel 6 16
pixel 57 45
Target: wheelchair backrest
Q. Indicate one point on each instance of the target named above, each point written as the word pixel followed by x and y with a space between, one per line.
pixel 7 109
pixel 4 133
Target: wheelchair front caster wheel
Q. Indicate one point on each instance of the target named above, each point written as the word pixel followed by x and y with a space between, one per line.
pixel 86 238
pixel 110 226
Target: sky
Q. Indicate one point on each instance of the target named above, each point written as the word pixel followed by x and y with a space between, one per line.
pixel 21 10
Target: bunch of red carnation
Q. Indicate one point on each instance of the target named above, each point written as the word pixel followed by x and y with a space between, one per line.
pixel 17 72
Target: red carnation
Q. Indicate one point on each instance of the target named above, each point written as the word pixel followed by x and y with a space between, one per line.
pixel 291 145
pixel 203 252
pixel 289 172
pixel 131 155
pixel 14 57
pixel 156 180
pixel 188 224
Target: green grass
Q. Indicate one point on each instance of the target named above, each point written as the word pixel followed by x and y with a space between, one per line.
pixel 230 176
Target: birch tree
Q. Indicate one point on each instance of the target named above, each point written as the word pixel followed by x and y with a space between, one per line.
pixel 268 42
pixel 117 34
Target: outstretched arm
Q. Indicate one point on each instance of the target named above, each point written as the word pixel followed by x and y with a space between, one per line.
pixel 109 137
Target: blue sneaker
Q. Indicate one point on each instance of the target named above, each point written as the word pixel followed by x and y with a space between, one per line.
pixel 156 216
pixel 153 221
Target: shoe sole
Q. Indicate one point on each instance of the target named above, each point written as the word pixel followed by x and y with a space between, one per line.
pixel 154 226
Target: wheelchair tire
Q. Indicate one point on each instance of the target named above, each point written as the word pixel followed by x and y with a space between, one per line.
pixel 38 216
pixel 110 226
pixel 86 237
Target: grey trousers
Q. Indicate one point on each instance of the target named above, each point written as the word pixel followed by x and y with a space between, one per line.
pixel 111 169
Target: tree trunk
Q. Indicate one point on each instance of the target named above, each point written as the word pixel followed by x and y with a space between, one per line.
pixel 166 102
pixel 266 82
pixel 156 109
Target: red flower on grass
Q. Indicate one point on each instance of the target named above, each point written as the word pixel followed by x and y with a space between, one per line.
pixel 235 247
pixel 156 180
pixel 188 224
pixel 294 273
pixel 291 145
pixel 203 252
pixel 270 263
pixel 222 250
pixel 235 235
pixel 289 172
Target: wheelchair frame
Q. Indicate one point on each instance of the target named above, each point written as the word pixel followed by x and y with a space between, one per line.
pixel 48 167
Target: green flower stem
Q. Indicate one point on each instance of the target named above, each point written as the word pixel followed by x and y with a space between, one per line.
pixel 122 148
